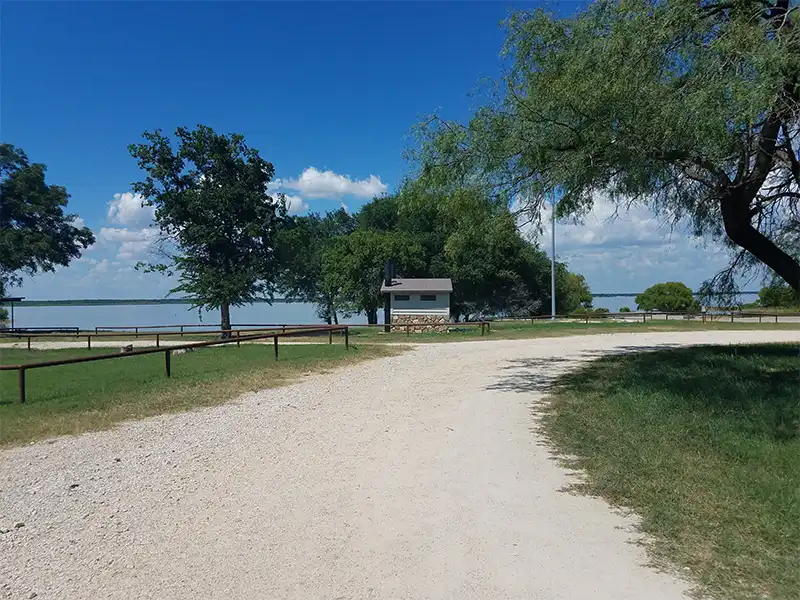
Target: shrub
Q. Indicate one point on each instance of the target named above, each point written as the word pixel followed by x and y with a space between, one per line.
pixel 672 296
pixel 624 309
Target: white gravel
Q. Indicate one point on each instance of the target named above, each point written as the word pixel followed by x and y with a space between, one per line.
pixel 418 476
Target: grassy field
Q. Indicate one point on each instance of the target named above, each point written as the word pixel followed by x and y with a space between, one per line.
pixel 704 444
pixel 501 330
pixel 72 399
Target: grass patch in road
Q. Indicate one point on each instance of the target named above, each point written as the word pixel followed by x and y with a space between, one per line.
pixel 72 399
pixel 704 444
pixel 509 330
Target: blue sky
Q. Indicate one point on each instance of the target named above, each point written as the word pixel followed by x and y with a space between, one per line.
pixel 326 91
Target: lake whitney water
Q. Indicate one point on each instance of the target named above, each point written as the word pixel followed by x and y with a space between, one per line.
pixel 89 317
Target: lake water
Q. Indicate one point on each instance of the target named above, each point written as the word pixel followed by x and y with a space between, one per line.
pixel 89 317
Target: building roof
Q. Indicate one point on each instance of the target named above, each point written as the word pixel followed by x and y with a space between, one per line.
pixel 418 285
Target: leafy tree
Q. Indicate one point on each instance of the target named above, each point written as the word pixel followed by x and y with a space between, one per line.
pixel 673 296
pixel 572 291
pixel 353 266
pixel 472 239
pixel 210 194
pixel 301 244
pixel 3 315
pixel 689 108
pixel 778 296
pixel 35 233
pixel 625 309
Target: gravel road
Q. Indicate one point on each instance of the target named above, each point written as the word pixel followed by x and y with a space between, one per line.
pixel 411 477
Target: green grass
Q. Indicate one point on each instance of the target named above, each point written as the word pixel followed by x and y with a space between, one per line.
pixel 504 330
pixel 73 399
pixel 704 444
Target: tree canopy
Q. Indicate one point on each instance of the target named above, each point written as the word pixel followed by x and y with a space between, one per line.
pixel 689 108
pixel 302 242
pixel 463 235
pixel 213 210
pixel 777 295
pixel 672 296
pixel 35 232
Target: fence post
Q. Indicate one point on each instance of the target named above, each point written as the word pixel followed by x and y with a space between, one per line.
pixel 776 318
pixel 759 318
pixel 21 385
pixel 347 338
pixel 731 316
pixel 489 328
pixel 167 365
pixel 330 336
pixel 482 327
pixel 158 340
pixel 181 330
pixel 136 330
pixel 238 336
pixel 408 330
pixel 29 342
pixel 275 341
pixel 89 342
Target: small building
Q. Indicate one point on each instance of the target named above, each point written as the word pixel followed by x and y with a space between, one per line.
pixel 423 302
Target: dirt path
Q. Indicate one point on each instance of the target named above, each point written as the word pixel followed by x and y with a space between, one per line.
pixel 411 477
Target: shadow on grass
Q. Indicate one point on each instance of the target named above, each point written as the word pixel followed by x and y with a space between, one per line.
pixel 754 388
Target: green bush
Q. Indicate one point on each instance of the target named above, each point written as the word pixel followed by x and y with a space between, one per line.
pixel 3 315
pixel 624 309
pixel 778 296
pixel 672 296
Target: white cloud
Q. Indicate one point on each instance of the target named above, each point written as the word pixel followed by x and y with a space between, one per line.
pixel 128 209
pixel 345 207
pixel 627 251
pixel 99 267
pixel 313 183
pixel 295 204
pixel 78 222
pixel 134 243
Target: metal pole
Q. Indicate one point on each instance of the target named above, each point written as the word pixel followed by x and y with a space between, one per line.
pixel 553 262
pixel 22 386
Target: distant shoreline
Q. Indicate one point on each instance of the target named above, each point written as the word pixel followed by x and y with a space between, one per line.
pixel 120 302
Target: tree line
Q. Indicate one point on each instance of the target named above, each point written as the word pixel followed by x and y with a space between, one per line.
pixel 228 241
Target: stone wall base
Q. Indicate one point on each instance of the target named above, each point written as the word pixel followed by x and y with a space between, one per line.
pixel 421 323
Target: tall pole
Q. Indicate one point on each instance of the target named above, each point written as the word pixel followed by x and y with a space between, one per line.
pixel 553 261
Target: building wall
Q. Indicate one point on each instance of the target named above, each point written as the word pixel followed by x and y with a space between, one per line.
pixel 420 323
pixel 415 306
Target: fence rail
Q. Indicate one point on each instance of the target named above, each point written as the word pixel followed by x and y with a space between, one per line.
pixel 649 316
pixel 22 368
pixel 158 332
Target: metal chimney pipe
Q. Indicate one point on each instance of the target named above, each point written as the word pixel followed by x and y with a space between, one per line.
pixel 388 272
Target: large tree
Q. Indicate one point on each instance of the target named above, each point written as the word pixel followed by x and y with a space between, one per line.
pixel 212 206
pixel 469 237
pixel 353 265
pixel 35 232
pixel 301 245
pixel 688 107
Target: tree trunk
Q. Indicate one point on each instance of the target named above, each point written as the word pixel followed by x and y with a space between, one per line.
pixel 735 207
pixel 372 316
pixel 225 323
pixel 335 316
